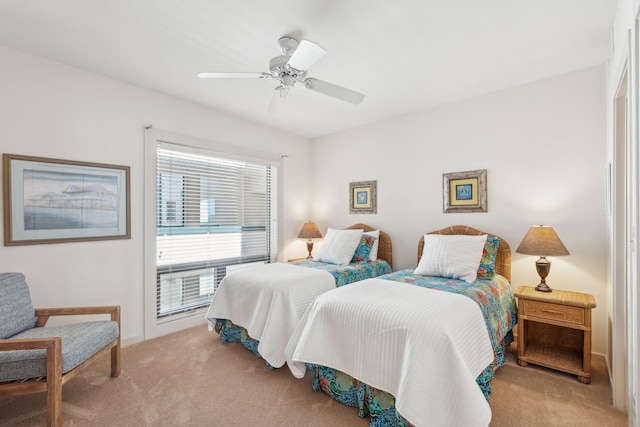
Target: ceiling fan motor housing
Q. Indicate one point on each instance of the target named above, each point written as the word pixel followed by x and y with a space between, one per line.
pixel 279 69
pixel 278 65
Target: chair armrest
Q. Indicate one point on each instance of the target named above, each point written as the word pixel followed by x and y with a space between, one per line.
pixel 43 314
pixel 29 343
pixel 53 378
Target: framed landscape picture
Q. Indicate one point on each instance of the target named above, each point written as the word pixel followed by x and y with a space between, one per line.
pixel 465 191
pixel 362 197
pixel 53 201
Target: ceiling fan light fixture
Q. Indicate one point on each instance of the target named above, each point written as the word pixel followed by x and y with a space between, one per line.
pixel 288 80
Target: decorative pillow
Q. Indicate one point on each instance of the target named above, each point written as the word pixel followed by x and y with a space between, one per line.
pixel 338 246
pixel 488 261
pixel 451 256
pixel 364 248
pixel 373 255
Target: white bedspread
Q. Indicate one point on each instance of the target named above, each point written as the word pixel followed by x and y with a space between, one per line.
pixel 424 346
pixel 268 301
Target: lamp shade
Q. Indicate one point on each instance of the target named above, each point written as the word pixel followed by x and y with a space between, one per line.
pixel 542 241
pixel 309 231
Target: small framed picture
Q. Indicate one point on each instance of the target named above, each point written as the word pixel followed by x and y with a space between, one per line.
pixel 362 197
pixel 465 191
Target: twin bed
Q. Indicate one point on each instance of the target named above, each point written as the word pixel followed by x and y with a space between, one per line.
pixel 406 353
pixel 259 307
pixel 399 348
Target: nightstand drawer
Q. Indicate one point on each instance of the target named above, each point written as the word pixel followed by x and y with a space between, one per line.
pixel 563 313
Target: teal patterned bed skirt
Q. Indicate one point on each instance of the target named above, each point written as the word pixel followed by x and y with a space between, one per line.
pixel 232 333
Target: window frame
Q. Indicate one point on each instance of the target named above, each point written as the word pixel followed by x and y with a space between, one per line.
pixel 154 326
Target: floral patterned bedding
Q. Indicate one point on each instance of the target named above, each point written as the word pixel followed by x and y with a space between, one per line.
pixel 343 275
pixel 498 307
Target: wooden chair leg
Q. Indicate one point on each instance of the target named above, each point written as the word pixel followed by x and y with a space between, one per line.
pixel 115 351
pixel 54 383
pixel 115 360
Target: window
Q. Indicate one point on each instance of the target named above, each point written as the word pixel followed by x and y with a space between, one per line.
pixel 212 214
pixel 185 290
pixel 170 198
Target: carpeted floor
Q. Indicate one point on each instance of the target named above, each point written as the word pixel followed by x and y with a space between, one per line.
pixel 537 396
pixel 190 379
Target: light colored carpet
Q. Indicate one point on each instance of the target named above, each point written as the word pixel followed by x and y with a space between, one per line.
pixel 190 379
pixel 537 396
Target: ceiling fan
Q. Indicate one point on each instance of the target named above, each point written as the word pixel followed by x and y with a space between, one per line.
pixel 291 67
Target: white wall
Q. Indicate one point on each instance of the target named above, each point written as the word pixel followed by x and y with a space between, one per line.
pixel 56 111
pixel 543 145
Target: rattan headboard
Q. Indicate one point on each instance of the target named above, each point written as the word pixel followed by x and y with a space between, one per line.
pixel 503 257
pixel 384 245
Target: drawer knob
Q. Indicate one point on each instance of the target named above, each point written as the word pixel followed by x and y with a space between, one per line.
pixel 546 310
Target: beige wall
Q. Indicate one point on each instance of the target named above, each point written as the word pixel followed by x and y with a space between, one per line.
pixel 52 110
pixel 543 145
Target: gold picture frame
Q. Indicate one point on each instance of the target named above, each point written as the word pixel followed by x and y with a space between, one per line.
pixel 362 197
pixel 465 191
pixel 55 201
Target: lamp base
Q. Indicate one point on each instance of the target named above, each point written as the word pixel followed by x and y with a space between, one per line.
pixel 542 267
pixel 543 287
pixel 309 248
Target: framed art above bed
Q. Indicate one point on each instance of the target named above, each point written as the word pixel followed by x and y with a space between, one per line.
pixel 362 197
pixel 465 191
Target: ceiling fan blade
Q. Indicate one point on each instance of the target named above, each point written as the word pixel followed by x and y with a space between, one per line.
pixel 230 75
pixel 335 91
pixel 277 99
pixel 306 54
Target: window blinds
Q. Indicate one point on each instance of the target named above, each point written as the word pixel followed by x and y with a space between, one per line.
pixel 212 215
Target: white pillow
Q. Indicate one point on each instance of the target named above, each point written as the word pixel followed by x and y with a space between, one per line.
pixel 339 246
pixel 451 256
pixel 373 255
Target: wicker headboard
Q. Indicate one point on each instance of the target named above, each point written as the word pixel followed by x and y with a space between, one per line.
pixel 384 244
pixel 503 257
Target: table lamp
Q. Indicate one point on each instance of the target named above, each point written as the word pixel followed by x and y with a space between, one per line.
pixel 542 241
pixel 309 231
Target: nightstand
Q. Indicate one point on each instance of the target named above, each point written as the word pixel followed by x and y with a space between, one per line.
pixel 554 330
pixel 297 259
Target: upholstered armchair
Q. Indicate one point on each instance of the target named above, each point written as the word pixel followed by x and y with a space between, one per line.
pixel 34 358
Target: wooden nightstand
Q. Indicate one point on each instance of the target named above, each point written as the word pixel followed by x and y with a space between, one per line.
pixel 297 259
pixel 554 330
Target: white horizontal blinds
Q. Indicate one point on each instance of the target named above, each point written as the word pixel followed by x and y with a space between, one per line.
pixel 212 214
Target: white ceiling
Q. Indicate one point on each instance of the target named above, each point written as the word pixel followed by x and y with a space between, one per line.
pixel 405 55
